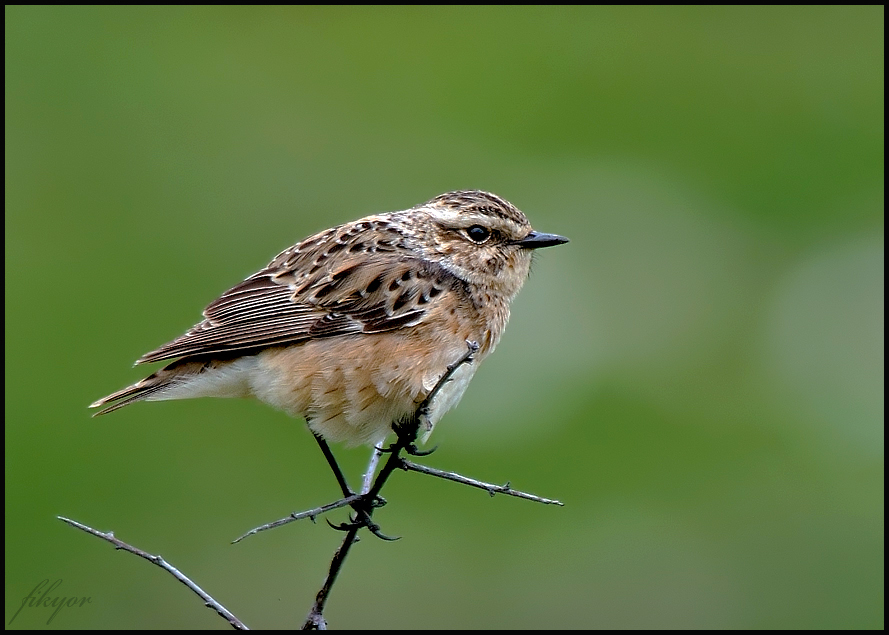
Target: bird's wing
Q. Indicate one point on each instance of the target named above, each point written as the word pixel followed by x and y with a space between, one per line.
pixel 331 284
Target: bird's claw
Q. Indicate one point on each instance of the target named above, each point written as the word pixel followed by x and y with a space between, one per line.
pixel 362 519
pixel 413 450
pixel 375 530
pixel 345 526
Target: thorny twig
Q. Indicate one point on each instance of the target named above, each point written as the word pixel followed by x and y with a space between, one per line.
pixel 163 564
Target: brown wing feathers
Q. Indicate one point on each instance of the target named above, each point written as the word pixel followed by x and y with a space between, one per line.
pixel 315 289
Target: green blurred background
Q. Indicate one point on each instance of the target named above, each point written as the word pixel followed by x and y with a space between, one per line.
pixel 698 374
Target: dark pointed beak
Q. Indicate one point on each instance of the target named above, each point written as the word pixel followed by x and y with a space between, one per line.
pixel 536 240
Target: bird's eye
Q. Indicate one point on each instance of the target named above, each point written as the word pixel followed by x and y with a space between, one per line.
pixel 478 234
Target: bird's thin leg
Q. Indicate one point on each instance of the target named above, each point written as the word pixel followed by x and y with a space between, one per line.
pixel 363 505
pixel 331 461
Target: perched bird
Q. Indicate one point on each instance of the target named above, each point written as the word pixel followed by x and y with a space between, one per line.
pixel 353 327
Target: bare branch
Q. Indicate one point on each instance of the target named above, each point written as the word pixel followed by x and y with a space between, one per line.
pixel 423 411
pixel 367 481
pixel 492 489
pixel 310 513
pixel 163 564
pixel 315 619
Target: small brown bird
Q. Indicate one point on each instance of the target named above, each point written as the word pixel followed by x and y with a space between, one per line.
pixel 353 327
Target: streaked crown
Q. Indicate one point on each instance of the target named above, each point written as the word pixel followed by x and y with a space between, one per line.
pixel 474 235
